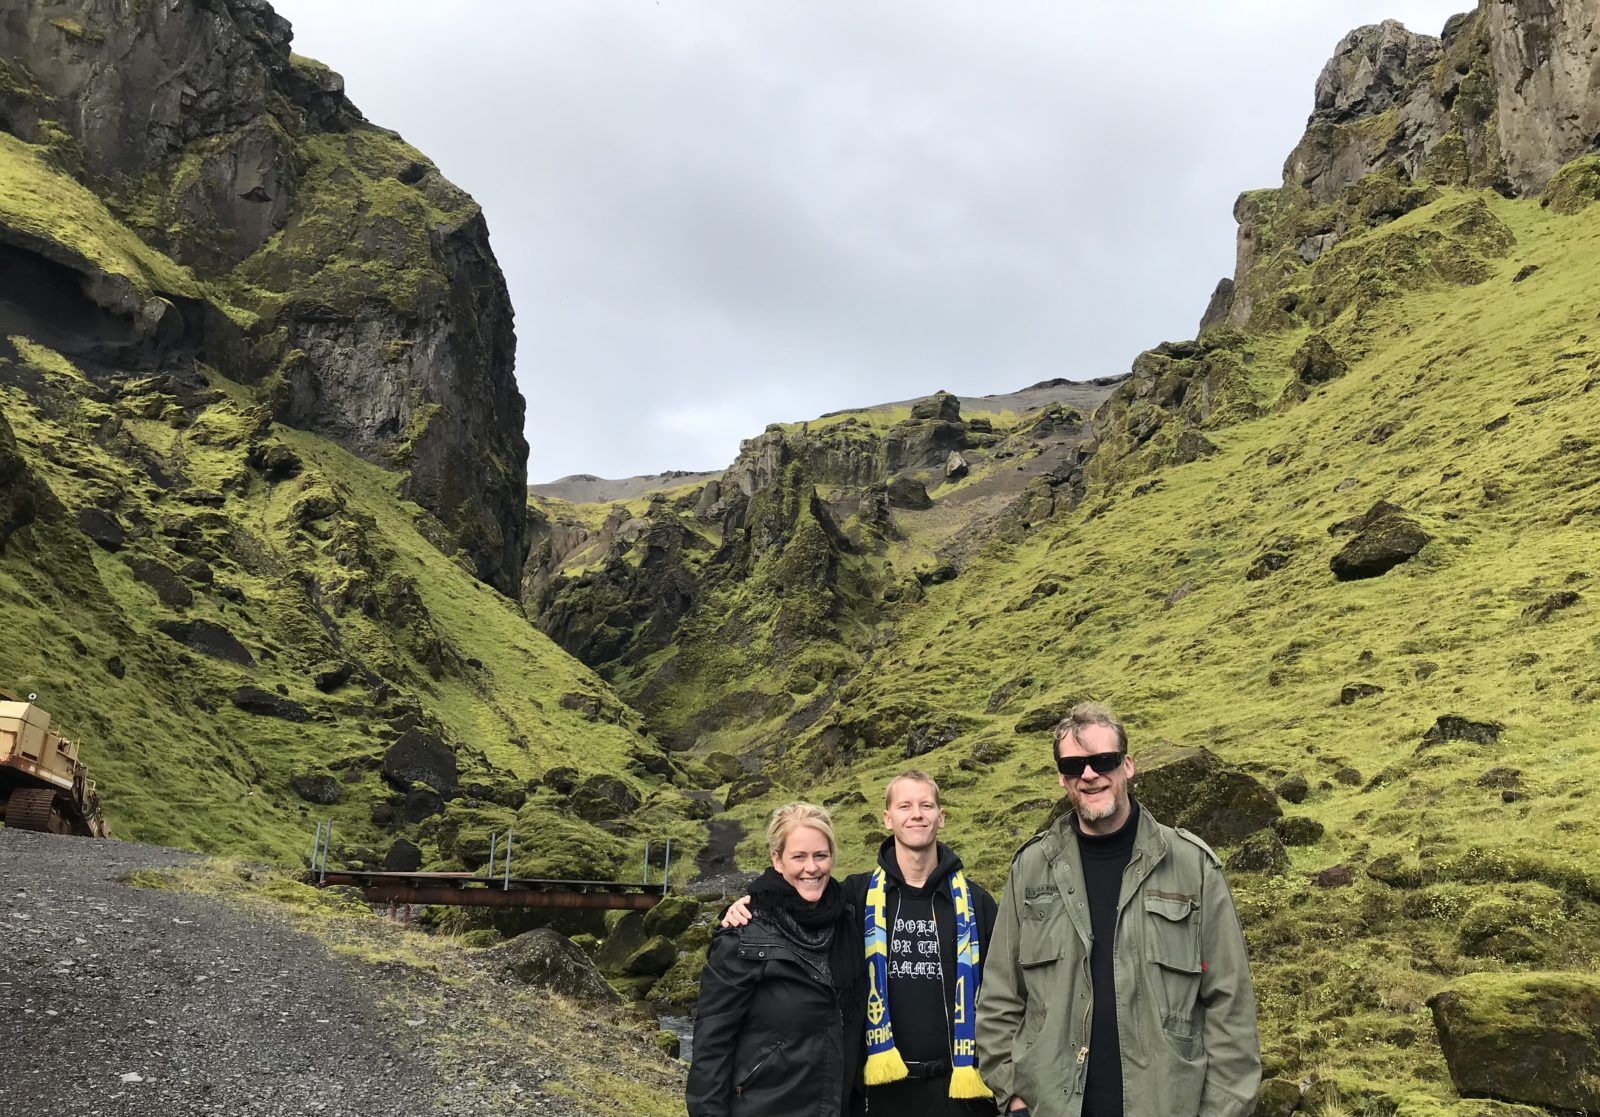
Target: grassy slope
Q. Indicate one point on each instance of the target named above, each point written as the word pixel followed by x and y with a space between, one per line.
pixel 177 763
pixel 1253 669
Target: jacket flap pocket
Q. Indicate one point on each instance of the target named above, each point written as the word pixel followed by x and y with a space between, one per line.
pixel 1169 905
pixel 1172 938
pixel 1040 960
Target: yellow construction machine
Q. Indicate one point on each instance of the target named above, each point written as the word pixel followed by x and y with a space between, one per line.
pixel 43 784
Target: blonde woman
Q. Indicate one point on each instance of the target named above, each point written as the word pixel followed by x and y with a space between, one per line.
pixel 778 1028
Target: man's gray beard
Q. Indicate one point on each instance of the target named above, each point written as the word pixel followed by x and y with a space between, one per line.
pixel 1110 809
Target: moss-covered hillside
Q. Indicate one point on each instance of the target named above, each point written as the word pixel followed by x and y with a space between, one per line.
pixel 1344 542
pixel 254 611
pixel 1472 408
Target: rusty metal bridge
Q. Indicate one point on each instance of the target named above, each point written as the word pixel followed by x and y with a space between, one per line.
pixel 491 889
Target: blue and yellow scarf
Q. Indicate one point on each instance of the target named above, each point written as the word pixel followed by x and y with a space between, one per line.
pixel 884 1063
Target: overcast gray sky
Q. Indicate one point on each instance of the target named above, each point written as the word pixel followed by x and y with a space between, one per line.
pixel 713 216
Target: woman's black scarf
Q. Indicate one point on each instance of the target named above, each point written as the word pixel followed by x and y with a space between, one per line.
pixel 769 892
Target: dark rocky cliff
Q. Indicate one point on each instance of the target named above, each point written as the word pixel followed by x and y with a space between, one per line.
pixel 333 267
pixel 1503 98
pixel 261 460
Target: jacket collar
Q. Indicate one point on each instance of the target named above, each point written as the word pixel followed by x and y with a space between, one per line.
pixel 1150 843
pixel 948 863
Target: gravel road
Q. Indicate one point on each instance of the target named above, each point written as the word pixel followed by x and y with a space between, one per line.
pixel 134 1002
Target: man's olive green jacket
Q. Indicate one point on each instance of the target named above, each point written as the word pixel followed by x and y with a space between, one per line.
pixel 1186 1015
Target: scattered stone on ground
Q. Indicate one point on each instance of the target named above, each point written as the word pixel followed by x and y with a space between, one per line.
pixel 549 960
pixel 1351 693
pixel 1298 830
pixel 1541 611
pixel 210 639
pixel 1335 876
pixel 1384 538
pixel 1292 789
pixel 254 700
pixel 1261 852
pixel 1454 727
pixel 1392 870
pixel 1192 787
pixel 102 528
pixel 316 787
pixel 1531 1038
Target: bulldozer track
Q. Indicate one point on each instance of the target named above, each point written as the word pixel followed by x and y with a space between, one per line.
pixel 36 809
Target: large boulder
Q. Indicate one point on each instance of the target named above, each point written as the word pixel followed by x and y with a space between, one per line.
pixel 604 799
pixel 403 857
pixel 941 405
pixel 623 938
pixel 264 703
pixel 1192 787
pixel 745 788
pixel 908 492
pixel 103 529
pixel 549 960
pixel 671 917
pixel 1454 727
pixel 652 959
pixel 1298 830
pixel 419 757
pixel 316 787
pixel 209 639
pixel 1316 362
pixel 1261 852
pixel 1529 1038
pixel 170 589
pixel 1384 538
pixel 420 803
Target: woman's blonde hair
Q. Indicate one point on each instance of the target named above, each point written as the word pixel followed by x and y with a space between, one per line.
pixel 790 817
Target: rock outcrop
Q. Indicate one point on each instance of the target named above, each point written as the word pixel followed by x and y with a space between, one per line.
pixel 1504 99
pixel 1192 787
pixel 1384 537
pixel 1529 1038
pixel 365 302
pixel 549 960
pixel 22 496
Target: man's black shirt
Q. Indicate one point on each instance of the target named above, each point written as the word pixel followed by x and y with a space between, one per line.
pixel 1104 858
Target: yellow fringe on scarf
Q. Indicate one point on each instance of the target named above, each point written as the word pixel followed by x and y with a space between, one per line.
pixel 888 1066
pixel 966 1082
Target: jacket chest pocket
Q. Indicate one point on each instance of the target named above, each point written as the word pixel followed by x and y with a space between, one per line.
pixel 1039 946
pixel 1172 948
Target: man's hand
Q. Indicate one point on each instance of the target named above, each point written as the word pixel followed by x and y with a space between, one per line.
pixel 739 914
pixel 1017 1106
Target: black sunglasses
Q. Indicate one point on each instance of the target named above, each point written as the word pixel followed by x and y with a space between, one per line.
pixel 1103 762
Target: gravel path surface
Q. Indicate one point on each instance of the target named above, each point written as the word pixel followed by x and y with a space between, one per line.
pixel 716 869
pixel 136 1002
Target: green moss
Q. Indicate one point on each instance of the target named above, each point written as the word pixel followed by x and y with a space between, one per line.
pixel 75 29
pixel 416 427
pixel 37 200
pixel 312 591
pixel 309 66
pixel 366 226
pixel 1574 186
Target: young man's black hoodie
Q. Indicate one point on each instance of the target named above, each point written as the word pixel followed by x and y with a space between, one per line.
pixel 924 1097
